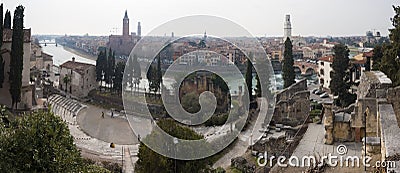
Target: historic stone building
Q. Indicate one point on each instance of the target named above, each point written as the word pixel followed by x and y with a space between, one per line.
pixel 374 118
pixel 39 59
pixel 123 44
pixel 292 104
pixel 82 78
pixel 26 89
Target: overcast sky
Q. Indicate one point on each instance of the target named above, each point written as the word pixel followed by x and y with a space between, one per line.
pixel 259 17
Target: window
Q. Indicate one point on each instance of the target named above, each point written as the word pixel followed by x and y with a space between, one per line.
pixel 322 63
pixel 321 72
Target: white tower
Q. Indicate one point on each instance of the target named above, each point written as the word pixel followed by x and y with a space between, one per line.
pixel 287 29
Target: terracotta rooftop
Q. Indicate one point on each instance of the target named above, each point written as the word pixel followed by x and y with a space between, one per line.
pixel 326 58
pixel 7 35
pixel 368 54
pixel 359 59
pixel 79 67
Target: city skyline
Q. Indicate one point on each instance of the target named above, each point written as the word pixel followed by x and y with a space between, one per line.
pixel 308 17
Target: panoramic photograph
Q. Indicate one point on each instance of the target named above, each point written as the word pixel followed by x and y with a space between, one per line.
pixel 305 86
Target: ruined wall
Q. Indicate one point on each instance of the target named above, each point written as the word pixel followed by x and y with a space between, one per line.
pixel 292 104
pixel 328 123
pixel 342 132
pixel 393 96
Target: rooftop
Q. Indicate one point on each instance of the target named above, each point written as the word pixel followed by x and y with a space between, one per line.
pixel 359 59
pixel 79 67
pixel 326 58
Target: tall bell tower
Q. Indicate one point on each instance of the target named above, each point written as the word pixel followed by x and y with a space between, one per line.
pixel 125 30
pixel 287 29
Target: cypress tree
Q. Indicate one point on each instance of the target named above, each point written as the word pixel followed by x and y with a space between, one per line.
pixel 119 74
pixel 133 73
pixel 249 77
pixel 340 83
pixel 377 57
pixel 137 73
pixel 17 53
pixel 105 68
pixel 101 66
pixel 288 74
pixel 159 74
pixel 258 86
pixel 1 45
pixel 110 68
pixel 7 20
pixel 390 61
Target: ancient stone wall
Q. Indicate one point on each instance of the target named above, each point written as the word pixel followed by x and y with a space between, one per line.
pixel 292 104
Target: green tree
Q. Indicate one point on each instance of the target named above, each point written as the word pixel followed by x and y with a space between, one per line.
pixel 288 74
pixel 119 74
pixel 154 76
pixel 159 74
pixel 2 62
pixel 39 142
pixel 377 57
pixel 134 74
pixel 137 73
pixel 190 102
pixel 390 62
pixel 7 20
pixel 258 86
pixel 101 66
pixel 150 161
pixel 340 74
pixel 110 68
pixel 152 79
pixel 17 53
pixel 249 77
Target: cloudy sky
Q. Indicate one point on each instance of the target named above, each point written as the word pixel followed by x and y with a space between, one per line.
pixel 259 17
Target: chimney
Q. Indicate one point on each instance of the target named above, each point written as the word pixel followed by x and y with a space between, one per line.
pixel 73 59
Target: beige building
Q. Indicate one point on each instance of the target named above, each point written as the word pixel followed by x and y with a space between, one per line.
pixel 324 71
pixel 82 78
pixel 39 59
pixel 26 89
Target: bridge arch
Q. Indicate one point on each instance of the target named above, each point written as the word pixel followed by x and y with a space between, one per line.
pixel 305 68
pixel 310 71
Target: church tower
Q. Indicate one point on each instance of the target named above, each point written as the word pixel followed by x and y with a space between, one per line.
pixel 287 29
pixel 125 30
pixel 139 29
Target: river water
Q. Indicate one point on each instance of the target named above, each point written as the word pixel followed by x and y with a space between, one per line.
pixel 60 55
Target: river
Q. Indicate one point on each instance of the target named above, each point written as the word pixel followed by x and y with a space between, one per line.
pixel 60 55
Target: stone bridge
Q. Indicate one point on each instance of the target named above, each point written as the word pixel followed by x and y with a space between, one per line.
pixel 306 68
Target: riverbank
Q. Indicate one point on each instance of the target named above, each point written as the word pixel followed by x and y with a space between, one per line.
pixel 80 53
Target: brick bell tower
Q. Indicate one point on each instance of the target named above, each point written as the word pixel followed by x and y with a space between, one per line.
pixel 125 30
